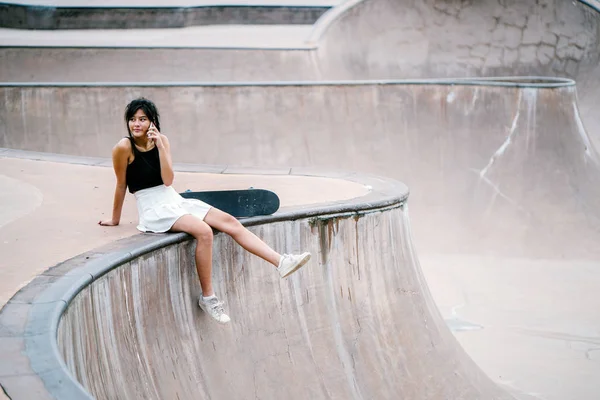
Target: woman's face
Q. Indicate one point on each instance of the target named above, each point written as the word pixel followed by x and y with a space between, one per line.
pixel 139 124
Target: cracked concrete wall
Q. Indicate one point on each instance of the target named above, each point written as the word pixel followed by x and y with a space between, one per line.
pixel 356 322
pixel 449 38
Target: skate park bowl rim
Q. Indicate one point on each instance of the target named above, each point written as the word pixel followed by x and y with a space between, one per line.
pixel 328 18
pixel 508 81
pixel 34 313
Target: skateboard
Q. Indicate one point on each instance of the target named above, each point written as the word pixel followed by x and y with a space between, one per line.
pixel 239 203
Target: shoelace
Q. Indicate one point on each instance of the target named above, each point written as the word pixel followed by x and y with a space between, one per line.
pixel 218 307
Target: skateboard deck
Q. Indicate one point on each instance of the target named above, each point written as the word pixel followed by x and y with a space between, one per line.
pixel 239 203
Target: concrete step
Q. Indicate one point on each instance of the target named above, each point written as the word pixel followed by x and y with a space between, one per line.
pixel 48 64
pixel 208 54
pixel 217 36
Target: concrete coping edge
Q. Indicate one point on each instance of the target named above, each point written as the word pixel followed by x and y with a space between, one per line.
pixel 593 4
pixel 84 6
pixel 328 19
pixel 542 82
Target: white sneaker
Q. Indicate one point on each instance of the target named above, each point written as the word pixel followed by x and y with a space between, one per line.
pixel 214 308
pixel 290 263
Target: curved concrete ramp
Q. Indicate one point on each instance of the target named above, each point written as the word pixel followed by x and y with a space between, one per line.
pixel 411 39
pixel 391 39
pixel 356 323
pixel 504 187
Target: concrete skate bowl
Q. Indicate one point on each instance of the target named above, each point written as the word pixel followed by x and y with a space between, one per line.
pixel 370 39
pixel 459 144
pixel 360 323
pixel 392 39
pixel 503 175
pixel 504 200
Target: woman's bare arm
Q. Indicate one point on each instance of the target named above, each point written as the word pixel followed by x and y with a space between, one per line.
pixel 120 156
pixel 164 153
pixel 166 164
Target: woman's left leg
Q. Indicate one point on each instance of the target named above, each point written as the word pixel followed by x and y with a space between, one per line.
pixel 248 240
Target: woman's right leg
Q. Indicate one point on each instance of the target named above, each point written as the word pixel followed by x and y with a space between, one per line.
pixel 200 230
pixel 204 241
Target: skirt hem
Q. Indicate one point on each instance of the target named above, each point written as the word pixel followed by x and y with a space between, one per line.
pixel 160 207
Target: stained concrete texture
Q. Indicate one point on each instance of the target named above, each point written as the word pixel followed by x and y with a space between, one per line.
pixel 357 322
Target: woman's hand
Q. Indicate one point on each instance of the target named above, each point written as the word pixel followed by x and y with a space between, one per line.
pixel 108 222
pixel 154 135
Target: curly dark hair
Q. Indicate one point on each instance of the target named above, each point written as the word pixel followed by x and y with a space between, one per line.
pixel 148 107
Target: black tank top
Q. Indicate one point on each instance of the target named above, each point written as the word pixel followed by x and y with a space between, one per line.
pixel 144 171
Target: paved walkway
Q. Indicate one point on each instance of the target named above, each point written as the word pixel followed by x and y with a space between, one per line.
pixel 221 36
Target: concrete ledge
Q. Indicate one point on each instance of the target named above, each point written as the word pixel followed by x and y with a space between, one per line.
pixel 19 16
pixel 30 363
pixel 500 81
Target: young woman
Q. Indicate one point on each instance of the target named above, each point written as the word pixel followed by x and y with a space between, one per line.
pixel 142 163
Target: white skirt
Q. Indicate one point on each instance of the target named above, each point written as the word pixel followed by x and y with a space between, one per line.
pixel 161 206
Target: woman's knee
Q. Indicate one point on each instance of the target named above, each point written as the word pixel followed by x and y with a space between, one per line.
pixel 224 222
pixel 202 233
pixel 232 226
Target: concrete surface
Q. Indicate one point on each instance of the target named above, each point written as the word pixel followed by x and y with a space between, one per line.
pixel 490 39
pixel 548 38
pixel 439 39
pixel 504 181
pixel 505 174
pixel 177 64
